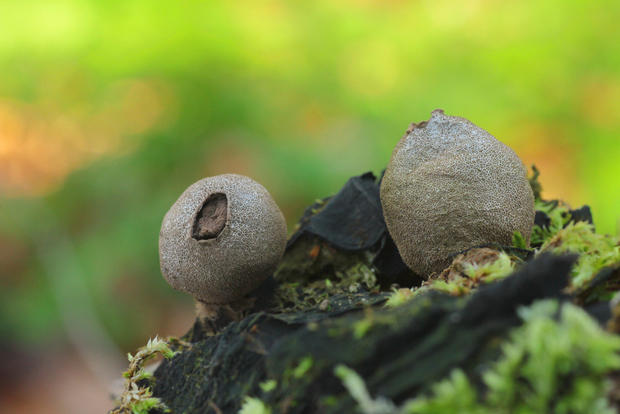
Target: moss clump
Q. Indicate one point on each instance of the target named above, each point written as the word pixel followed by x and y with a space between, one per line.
pixel 323 273
pixel 254 406
pixel 399 296
pixel 453 395
pixel 311 259
pixel 268 385
pixel 538 369
pixel 468 271
pixel 535 183
pixel 295 297
pixel 356 387
pixel 518 241
pixel 596 251
pixel 556 362
pixel 559 217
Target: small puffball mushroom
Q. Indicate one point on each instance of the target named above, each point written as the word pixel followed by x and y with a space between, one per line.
pixel 221 239
pixel 450 186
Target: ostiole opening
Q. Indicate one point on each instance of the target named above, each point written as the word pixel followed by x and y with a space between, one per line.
pixel 211 219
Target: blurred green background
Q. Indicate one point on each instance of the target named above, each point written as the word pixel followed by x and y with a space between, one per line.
pixel 110 109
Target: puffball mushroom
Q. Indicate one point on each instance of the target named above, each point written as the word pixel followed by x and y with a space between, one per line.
pixel 221 239
pixel 450 186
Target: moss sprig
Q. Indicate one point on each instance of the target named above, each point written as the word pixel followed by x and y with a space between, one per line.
pixel 537 371
pixel 253 405
pixel 535 182
pixel 596 251
pixel 136 399
pixel 467 272
pixel 559 216
pixel 357 388
pixel 296 296
pixel 558 361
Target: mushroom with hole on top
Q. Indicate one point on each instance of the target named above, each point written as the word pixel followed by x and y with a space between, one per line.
pixel 220 240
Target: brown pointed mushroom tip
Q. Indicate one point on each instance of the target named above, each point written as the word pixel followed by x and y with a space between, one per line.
pixel 450 186
pixel 221 239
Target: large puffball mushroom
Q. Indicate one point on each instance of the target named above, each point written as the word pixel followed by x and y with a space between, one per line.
pixel 450 186
pixel 221 239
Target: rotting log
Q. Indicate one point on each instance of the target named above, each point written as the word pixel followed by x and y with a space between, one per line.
pixel 325 307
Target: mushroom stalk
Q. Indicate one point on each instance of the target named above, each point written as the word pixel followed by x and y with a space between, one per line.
pixel 214 317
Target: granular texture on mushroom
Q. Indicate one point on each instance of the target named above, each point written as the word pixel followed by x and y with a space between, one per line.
pixel 450 186
pixel 221 238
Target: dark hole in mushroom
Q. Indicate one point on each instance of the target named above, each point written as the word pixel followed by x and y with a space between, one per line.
pixel 211 219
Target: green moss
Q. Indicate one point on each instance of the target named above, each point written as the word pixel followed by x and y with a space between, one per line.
pixel 254 406
pixel 454 395
pixel 136 399
pixel 490 271
pixel 518 240
pixel 556 362
pixel 311 259
pixel 144 405
pixel 371 319
pixel 329 401
pixel 359 274
pixel 558 215
pixel 304 294
pixel 549 363
pixel 461 277
pixel 304 366
pixel 292 297
pixel 399 296
pixel 268 385
pixel 356 387
pixel 596 250
pixel 535 183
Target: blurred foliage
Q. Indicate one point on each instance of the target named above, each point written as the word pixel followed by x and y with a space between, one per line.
pixel 109 110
